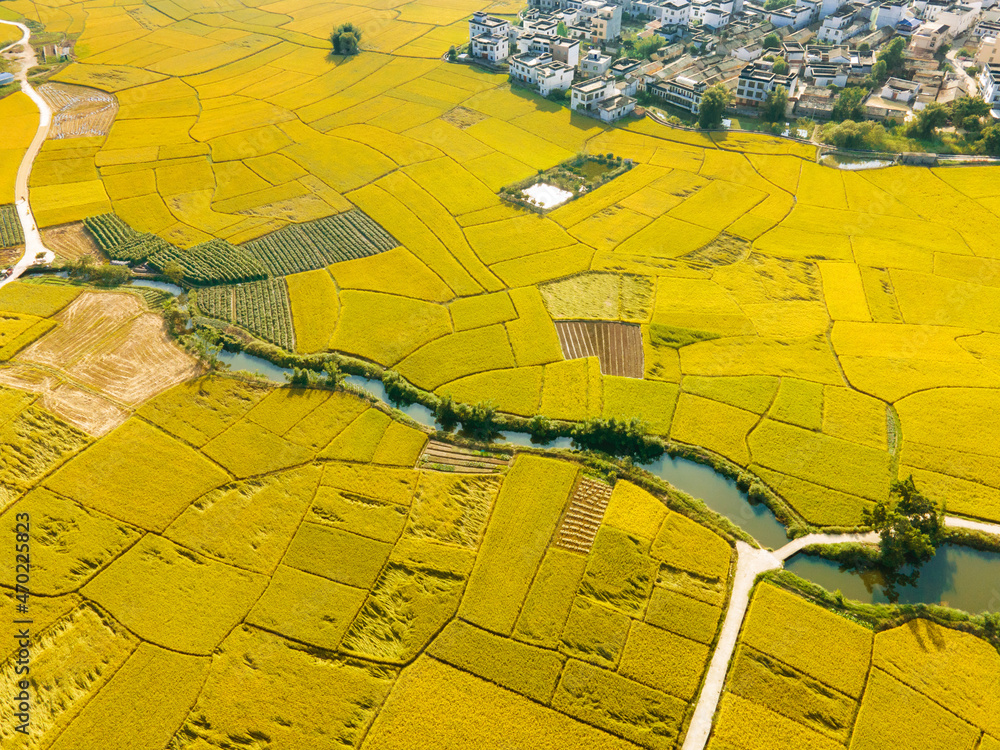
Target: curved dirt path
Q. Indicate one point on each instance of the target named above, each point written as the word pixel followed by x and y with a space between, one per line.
pixel 33 244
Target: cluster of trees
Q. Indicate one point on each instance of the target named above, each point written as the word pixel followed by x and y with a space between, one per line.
pixel 345 39
pixel 850 130
pixel 331 377
pixel 713 105
pixel 617 437
pixel 101 274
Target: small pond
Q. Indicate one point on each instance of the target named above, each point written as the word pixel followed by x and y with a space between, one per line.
pixel 161 285
pixel 956 576
pixel 854 163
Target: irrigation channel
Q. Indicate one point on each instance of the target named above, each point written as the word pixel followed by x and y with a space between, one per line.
pixel 957 576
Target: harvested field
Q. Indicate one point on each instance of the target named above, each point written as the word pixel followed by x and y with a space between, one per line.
pixel 78 111
pixel 82 326
pixel 578 527
pixel 618 346
pixel 440 456
pixel 70 241
pixel 107 356
pixel 135 363
pixel 84 409
pixel 10 255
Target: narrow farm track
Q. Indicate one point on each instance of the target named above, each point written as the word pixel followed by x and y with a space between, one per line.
pixel 33 244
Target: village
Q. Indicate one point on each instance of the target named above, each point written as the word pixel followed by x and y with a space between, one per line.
pixel 793 58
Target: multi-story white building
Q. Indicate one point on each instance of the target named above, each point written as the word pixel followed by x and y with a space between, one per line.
pixel 594 63
pixel 757 80
pixel 489 37
pixel 989 85
pixel 825 74
pixel 601 98
pixel 597 20
pixel 713 14
pixel 840 26
pixel 889 14
pixel 682 92
pixel 541 72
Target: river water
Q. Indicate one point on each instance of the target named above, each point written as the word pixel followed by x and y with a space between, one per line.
pixel 957 576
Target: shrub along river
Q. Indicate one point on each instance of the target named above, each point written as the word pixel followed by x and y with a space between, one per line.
pixel 957 576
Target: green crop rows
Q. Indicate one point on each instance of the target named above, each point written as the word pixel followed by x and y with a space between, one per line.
pixel 259 306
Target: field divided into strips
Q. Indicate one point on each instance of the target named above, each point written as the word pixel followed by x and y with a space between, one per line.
pixel 261 307
pixel 319 569
pixel 918 684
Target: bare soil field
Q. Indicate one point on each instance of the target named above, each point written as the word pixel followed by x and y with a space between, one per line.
pixel 10 255
pixel 618 346
pixel 108 356
pixel 70 241
pixel 79 111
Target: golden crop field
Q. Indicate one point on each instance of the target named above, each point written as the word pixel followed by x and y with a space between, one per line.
pixel 292 568
pixel 915 685
pixel 325 582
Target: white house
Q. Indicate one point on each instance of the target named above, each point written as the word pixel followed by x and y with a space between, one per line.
pixel 682 92
pixel 989 85
pixel 824 74
pixel 601 98
pixel 900 90
pixel 889 14
pixel 840 26
pixel 541 72
pixel 796 16
pixel 757 80
pixel 595 63
pixel 711 13
pixel 489 37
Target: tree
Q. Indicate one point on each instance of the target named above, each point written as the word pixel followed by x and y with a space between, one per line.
pixel 776 4
pixel 929 119
pixel 893 53
pixel 848 105
pixel 991 139
pixel 880 71
pixel 713 104
pixel 646 47
pixel 967 106
pixel 345 39
pixel 174 272
pixel 864 48
pixel 774 106
pixel 772 41
pixel 334 375
pixel 561 29
pixel 909 528
pixel 780 66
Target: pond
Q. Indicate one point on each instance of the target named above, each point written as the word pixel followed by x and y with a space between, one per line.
pixel 854 163
pixel 956 576
pixel 161 285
